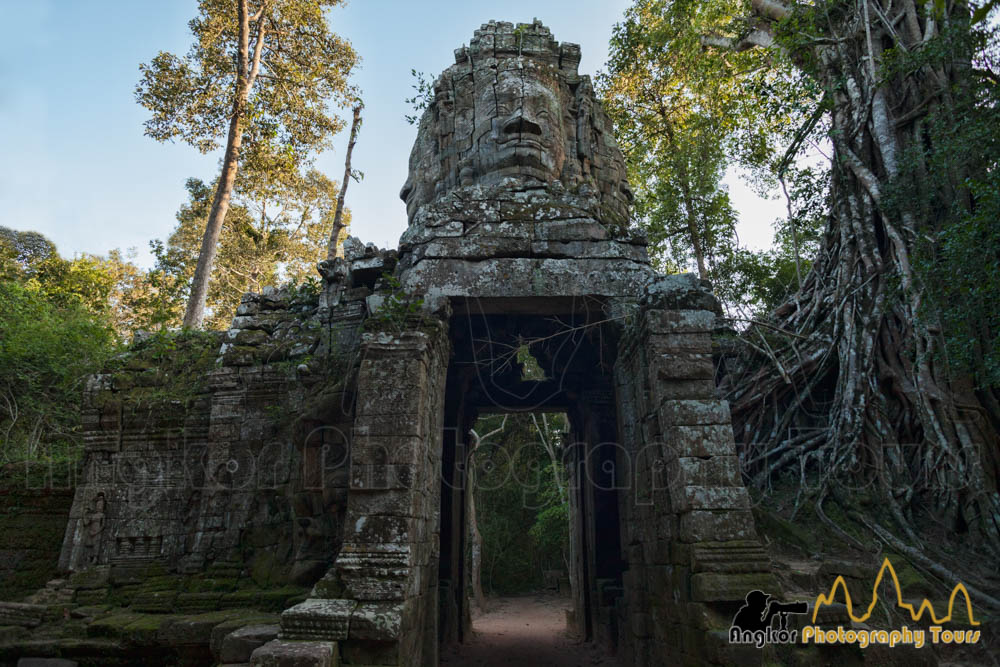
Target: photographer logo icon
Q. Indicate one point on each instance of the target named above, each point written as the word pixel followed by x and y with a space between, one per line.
pixel 754 622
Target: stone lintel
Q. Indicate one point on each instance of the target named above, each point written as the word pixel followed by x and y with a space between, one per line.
pixel 523 276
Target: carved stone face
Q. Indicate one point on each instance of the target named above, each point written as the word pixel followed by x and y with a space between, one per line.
pixel 519 126
pixel 513 105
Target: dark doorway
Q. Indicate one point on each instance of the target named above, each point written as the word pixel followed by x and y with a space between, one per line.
pixel 526 360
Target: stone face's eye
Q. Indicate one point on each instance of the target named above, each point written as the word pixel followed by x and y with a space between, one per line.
pixel 627 191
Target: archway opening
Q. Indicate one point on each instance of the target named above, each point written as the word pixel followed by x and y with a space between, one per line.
pixel 530 456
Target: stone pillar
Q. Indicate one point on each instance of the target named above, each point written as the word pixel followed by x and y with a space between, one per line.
pixel 379 601
pixel 689 536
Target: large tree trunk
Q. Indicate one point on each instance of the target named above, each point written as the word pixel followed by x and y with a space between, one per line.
pixel 859 371
pixel 475 549
pixel 475 537
pixel 334 247
pixel 194 316
pixel 692 224
pixel 246 74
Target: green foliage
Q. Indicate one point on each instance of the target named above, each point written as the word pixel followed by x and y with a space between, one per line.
pixel 423 96
pixel 271 236
pixel 757 282
pixel 981 12
pixel 49 343
pixel 683 115
pixel 531 369
pixel 112 288
pixel 166 366
pixel 951 182
pixel 518 486
pixel 303 65
pixel 260 76
pixel 398 311
pixel 62 320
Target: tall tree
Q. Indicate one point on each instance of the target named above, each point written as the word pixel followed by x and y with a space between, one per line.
pixel 856 361
pixel 682 119
pixel 260 73
pixel 267 239
pixel 334 247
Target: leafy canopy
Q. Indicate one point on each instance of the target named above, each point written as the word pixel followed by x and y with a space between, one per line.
pixel 269 237
pixel 303 65
pixel 56 327
pixel 685 113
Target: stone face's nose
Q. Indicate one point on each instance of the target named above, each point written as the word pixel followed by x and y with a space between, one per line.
pixel 521 125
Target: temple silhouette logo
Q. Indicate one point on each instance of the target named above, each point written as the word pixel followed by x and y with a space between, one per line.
pixel 917 637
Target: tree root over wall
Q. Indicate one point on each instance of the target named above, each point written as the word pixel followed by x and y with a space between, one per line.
pixel 848 385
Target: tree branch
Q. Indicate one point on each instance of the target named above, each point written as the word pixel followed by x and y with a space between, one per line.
pixel 771 9
pixel 753 39
pixel 257 48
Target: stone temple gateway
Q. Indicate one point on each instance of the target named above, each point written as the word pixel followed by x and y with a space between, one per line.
pixel 328 445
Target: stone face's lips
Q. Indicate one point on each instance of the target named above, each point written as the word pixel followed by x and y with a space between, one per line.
pixel 525 143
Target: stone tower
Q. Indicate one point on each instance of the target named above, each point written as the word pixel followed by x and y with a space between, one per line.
pixel 518 235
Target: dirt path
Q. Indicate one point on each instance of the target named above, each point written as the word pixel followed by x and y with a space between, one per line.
pixel 524 631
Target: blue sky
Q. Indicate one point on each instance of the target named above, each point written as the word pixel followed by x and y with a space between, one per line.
pixel 76 166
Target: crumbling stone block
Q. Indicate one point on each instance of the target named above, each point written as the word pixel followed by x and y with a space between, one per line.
pixel 280 653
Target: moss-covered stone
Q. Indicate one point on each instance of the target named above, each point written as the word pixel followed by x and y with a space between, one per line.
pixel 207 585
pixel 155 602
pixel 197 628
pixel 240 599
pixel 267 570
pixel 280 599
pixel 197 602
pixel 35 501
pixel 220 631
pixel 112 625
pixel 9 633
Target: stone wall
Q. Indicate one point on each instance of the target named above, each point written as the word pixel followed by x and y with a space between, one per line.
pixel 380 601
pixel 322 439
pixel 35 502
pixel 687 531
pixel 224 454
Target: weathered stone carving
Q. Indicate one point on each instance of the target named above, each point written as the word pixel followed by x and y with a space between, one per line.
pixel 514 105
pixel 316 438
